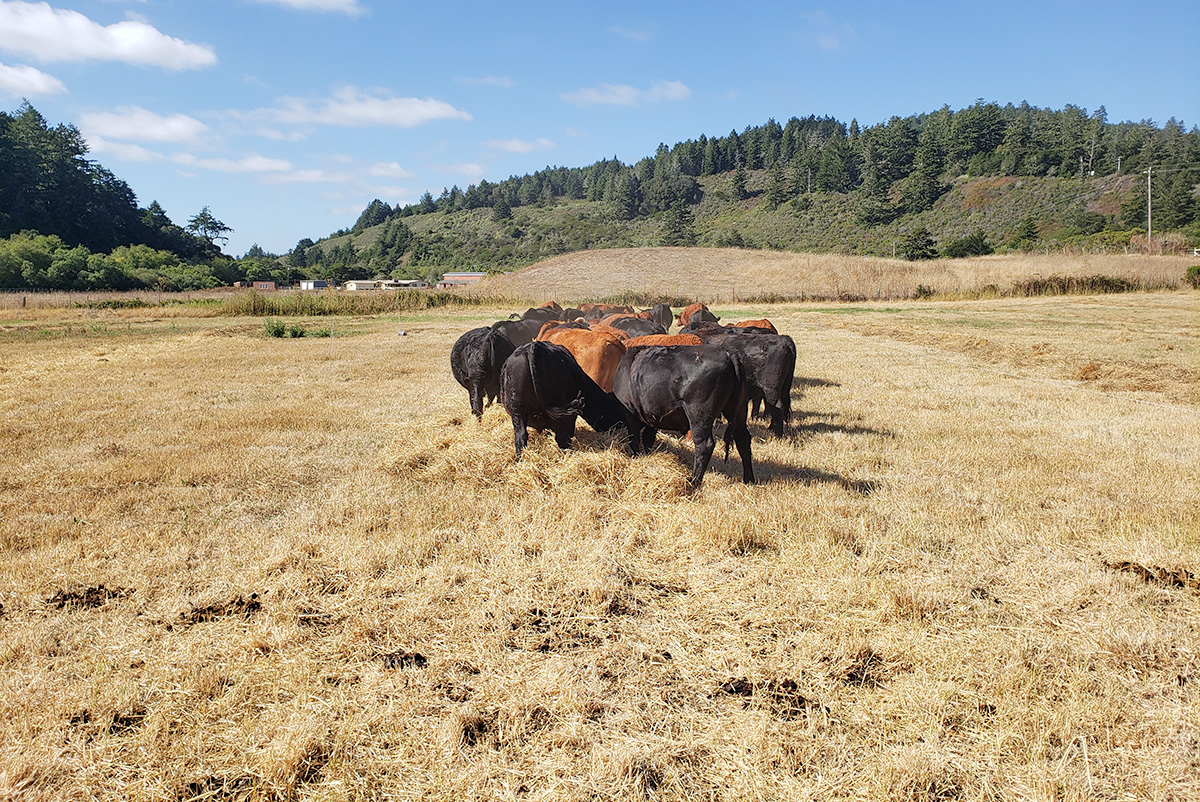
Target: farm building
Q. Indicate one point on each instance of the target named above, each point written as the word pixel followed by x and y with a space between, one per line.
pixel 404 284
pixel 459 279
pixel 313 284
pixel 361 284
pixel 264 285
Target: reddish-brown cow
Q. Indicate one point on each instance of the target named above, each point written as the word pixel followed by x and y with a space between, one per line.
pixel 663 339
pixel 698 311
pixel 761 323
pixel 597 352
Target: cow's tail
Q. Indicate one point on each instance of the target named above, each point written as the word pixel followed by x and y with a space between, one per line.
pixel 739 417
pixel 541 381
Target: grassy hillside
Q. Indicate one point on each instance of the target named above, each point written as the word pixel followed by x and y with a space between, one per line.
pixel 1064 210
pixel 722 275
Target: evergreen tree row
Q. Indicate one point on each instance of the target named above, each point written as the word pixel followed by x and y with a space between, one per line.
pixel 901 166
pixel 49 186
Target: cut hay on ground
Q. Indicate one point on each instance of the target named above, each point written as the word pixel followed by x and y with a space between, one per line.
pixel 238 567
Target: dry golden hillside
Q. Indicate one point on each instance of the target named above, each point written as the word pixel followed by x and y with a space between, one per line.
pixel 730 274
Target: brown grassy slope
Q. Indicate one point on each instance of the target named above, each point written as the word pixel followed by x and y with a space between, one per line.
pixel 725 274
pixel 951 584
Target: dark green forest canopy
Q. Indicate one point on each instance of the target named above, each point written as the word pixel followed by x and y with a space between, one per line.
pixel 815 183
pixel 824 154
pixel 48 185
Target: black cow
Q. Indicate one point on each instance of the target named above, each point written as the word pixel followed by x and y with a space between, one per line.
pixel 662 315
pixel 636 326
pixel 542 313
pixel 542 386
pixel 770 364
pixel 475 361
pixel 518 332
pixel 682 387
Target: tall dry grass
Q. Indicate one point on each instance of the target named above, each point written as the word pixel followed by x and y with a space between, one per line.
pixel 724 275
pixel 234 567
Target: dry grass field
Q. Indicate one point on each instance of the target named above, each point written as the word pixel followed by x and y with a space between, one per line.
pixel 726 275
pixel 237 567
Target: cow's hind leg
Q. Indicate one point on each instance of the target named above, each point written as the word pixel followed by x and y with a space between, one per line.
pixel 741 439
pixel 520 434
pixel 477 399
pixel 704 442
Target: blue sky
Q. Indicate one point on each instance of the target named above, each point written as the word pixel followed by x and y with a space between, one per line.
pixel 286 117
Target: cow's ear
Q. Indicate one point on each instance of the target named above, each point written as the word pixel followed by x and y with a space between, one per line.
pixel 577 405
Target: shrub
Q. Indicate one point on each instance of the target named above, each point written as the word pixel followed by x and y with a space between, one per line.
pixel 1192 277
pixel 917 245
pixel 1069 285
pixel 974 244
pixel 922 292
pixel 296 330
pixel 274 328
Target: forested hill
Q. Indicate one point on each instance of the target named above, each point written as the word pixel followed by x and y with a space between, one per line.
pixel 946 183
pixel 949 182
pixel 48 185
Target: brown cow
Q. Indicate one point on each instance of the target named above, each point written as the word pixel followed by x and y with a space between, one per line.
pixel 550 325
pixel 694 311
pixel 608 319
pixel 597 352
pixel 593 310
pixel 664 339
pixel 761 323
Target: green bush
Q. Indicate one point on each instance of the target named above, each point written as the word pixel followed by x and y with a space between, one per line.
pixel 917 245
pixel 274 328
pixel 296 330
pixel 974 244
pixel 1192 277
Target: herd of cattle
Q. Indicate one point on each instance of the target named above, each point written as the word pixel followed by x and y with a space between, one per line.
pixel 617 368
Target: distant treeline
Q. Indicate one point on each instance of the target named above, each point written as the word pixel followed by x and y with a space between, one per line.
pixel 810 184
pixel 48 186
pixel 901 166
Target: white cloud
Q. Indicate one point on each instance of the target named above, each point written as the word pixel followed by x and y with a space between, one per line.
pixel 24 81
pixel 624 95
pixel 310 176
pixel 389 170
pixel 632 34
pixel 253 163
pixel 468 169
pixel 350 7
pixel 133 123
pixel 520 146
pixel 354 107
pixel 827 33
pixel 279 136
pixel 49 34
pixel 382 191
pixel 347 211
pixel 829 41
pixel 122 151
pixel 488 80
